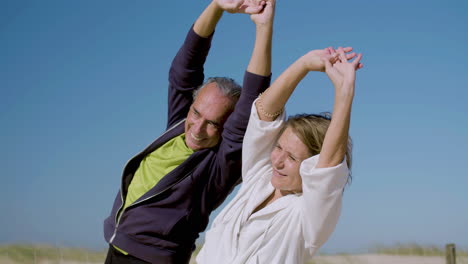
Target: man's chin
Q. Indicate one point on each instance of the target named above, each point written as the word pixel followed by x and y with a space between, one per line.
pixel 193 146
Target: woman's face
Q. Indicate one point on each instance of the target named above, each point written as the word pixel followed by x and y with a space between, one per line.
pixel 286 159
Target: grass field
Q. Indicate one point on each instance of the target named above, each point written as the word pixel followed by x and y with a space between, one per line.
pixel 397 254
pixel 42 254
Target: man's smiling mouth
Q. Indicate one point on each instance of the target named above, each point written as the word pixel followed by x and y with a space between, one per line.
pixel 195 137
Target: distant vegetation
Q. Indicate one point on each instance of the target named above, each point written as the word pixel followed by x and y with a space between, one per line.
pixel 36 253
pixel 32 254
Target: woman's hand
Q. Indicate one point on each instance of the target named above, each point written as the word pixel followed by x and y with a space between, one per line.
pixel 241 6
pixel 342 71
pixel 315 60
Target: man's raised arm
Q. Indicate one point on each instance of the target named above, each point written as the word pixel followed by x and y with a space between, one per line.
pixel 186 72
pixel 256 80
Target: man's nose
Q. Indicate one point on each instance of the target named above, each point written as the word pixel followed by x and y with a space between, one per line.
pixel 197 127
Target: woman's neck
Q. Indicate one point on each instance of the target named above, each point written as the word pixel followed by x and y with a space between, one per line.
pixel 275 195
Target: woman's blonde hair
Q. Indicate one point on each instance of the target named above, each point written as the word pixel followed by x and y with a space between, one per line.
pixel 311 130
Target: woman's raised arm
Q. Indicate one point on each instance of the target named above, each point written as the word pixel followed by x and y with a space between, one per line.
pixel 343 75
pixel 272 101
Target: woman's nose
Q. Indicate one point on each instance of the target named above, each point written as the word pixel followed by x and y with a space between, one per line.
pixel 278 161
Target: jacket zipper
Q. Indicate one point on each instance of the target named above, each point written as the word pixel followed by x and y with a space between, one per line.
pixel 117 218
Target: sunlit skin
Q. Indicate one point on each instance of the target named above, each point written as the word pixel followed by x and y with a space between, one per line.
pixel 206 118
pixel 286 159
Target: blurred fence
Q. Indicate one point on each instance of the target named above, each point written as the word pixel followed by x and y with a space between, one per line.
pixel 417 250
pixel 399 254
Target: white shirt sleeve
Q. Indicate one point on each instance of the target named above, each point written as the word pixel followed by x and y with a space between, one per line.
pixel 321 200
pixel 259 140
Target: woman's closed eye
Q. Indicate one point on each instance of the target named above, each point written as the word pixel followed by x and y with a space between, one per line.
pixel 291 157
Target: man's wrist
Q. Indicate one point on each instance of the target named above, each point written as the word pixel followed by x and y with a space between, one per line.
pixel 264 26
pixel 264 31
pixel 216 5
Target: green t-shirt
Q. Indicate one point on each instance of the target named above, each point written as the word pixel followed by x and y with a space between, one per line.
pixel 154 167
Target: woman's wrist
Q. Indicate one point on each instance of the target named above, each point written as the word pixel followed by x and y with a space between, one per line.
pixel 303 64
pixel 311 62
pixel 345 94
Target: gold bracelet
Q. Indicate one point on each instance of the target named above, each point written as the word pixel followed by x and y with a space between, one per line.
pixel 265 113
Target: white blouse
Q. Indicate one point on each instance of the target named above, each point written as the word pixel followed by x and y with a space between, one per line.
pixel 289 230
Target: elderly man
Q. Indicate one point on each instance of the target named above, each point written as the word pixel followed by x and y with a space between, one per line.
pixel 170 188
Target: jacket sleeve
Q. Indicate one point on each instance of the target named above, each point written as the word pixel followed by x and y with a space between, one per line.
pixel 321 201
pixel 186 74
pixel 226 172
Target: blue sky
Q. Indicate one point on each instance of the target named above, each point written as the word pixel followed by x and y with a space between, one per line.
pixel 83 88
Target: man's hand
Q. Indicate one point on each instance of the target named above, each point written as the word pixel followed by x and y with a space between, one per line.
pixel 266 15
pixel 241 6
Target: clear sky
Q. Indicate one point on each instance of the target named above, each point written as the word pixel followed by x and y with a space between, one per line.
pixel 83 88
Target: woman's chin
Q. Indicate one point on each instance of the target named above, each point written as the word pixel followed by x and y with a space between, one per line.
pixel 275 182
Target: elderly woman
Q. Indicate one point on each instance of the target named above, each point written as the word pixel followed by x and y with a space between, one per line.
pixel 293 172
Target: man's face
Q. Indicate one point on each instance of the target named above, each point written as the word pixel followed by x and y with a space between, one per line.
pixel 206 118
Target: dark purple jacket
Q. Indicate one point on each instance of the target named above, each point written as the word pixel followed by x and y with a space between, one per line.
pixel 163 224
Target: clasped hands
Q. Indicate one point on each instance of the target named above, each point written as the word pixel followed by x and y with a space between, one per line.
pixel 261 11
pixel 241 6
pixel 337 64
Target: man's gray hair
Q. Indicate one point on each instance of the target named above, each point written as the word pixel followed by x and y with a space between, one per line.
pixel 227 86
